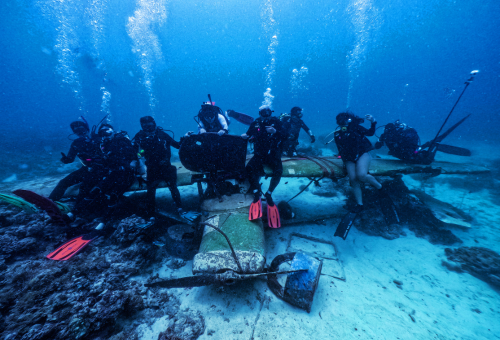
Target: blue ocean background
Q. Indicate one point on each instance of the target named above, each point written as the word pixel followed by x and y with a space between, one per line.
pixel 392 59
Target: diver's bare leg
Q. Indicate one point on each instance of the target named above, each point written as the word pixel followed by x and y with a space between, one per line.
pixel 362 167
pixel 355 184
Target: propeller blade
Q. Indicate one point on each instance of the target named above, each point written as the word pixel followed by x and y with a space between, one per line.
pixel 454 150
pixel 190 281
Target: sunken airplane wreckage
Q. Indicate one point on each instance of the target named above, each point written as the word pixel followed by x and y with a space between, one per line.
pixel 227 246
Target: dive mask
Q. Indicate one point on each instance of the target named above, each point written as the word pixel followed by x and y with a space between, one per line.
pixel 148 127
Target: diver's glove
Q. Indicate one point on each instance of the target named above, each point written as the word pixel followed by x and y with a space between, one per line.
pixel 221 132
pixel 378 145
pixel 65 159
pixel 202 131
pixel 313 139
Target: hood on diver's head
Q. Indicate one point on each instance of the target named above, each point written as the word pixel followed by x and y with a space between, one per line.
pixel 346 118
pixel 296 112
pixel 105 130
pixel 265 112
pixel 79 128
pixel 77 124
pixel 399 125
pixel 209 112
pixel 148 124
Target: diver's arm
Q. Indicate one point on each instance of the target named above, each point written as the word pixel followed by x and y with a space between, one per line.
pixel 71 154
pixel 380 142
pixel 251 130
pixel 371 131
pixel 201 127
pixel 309 132
pixel 223 123
pixel 172 141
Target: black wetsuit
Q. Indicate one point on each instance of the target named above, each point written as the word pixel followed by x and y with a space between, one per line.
pixel 118 176
pixel 404 144
pixel 87 150
pixel 293 126
pixel 156 150
pixel 353 143
pixel 267 150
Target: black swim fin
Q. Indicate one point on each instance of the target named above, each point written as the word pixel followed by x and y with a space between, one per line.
pixel 388 208
pixel 345 225
pixel 240 117
pixel 45 204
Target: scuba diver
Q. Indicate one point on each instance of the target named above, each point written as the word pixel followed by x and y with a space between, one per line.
pixel 210 118
pixel 353 147
pixel 153 145
pixel 86 148
pixel 293 123
pixel 403 143
pixel 354 150
pixel 118 175
pixel 267 133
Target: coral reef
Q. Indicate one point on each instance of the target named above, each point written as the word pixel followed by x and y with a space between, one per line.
pixel 413 215
pixel 480 262
pixel 92 296
pixel 185 326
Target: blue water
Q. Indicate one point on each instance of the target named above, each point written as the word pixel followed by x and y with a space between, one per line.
pixel 392 59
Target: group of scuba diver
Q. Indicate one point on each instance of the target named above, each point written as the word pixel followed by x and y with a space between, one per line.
pixel 112 162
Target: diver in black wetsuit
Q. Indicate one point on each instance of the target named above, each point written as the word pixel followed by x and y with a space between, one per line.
pixel 403 143
pixel 153 145
pixel 87 150
pixel 118 153
pixel 353 147
pixel 293 123
pixel 267 133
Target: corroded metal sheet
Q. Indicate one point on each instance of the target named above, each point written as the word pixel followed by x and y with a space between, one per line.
pixel 246 237
pixel 217 261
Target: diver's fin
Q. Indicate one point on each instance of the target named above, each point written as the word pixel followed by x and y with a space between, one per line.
pixel 255 211
pixel 241 117
pixel 388 208
pixel 43 203
pixel 19 202
pixel 273 216
pixel 71 248
pixel 453 150
pixel 345 225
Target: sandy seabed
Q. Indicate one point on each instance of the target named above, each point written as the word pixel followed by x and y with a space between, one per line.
pixel 393 289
